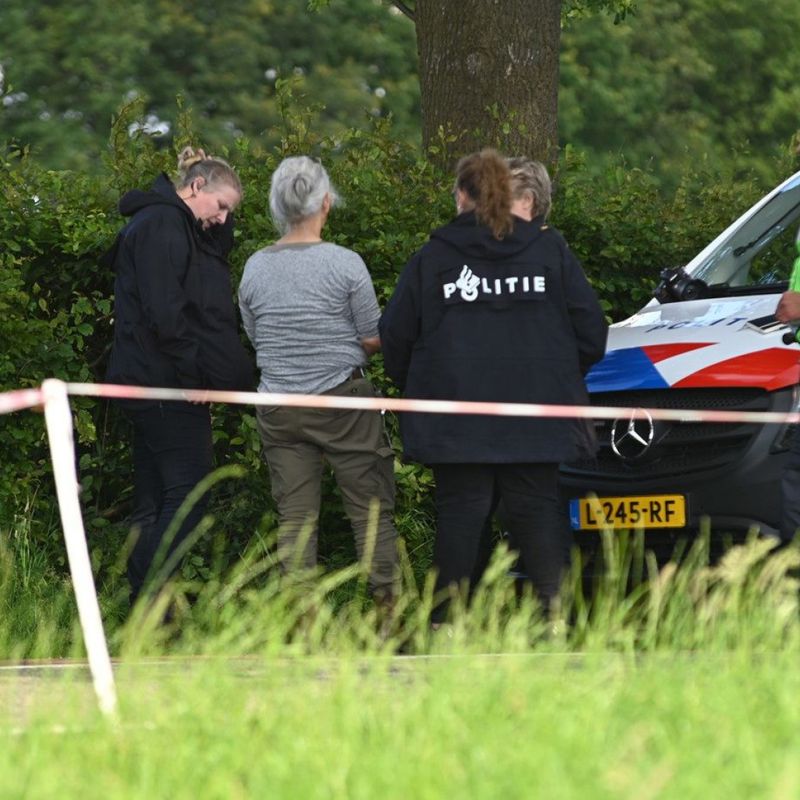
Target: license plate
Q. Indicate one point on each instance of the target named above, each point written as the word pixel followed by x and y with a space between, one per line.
pixel 642 511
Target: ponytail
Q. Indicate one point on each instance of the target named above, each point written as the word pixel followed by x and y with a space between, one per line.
pixel 486 179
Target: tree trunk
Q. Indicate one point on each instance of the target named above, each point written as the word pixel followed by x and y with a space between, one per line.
pixel 489 75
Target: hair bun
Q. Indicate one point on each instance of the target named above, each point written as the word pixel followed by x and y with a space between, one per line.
pixel 189 157
pixel 302 186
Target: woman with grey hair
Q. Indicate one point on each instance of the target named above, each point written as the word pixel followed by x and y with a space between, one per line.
pixel 309 308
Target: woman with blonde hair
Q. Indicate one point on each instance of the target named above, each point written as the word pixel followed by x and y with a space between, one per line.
pixel 493 308
pixel 175 326
pixel 531 188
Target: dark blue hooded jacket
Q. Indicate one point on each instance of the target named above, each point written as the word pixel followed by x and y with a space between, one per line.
pixel 175 322
pixel 476 318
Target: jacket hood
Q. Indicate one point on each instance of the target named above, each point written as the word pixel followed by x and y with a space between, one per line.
pixel 217 239
pixel 471 238
pixel 162 193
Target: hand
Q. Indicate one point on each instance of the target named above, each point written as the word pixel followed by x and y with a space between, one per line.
pixel 371 344
pixel 198 402
pixel 788 308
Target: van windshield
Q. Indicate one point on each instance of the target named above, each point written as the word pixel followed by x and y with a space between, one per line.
pixel 761 251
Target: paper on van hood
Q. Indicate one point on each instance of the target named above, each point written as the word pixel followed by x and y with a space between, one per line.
pixel 729 341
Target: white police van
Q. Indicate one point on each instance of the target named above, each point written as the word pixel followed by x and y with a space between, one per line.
pixel 709 340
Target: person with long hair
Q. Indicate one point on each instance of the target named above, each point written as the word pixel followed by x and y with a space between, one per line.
pixel 309 308
pixel 175 325
pixel 493 307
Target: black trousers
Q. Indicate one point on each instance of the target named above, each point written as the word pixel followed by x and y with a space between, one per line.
pixel 790 492
pixel 466 495
pixel 172 452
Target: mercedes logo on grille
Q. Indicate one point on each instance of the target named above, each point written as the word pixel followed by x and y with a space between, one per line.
pixel 632 436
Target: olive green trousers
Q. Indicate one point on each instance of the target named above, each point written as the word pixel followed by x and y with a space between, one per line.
pixel 297 442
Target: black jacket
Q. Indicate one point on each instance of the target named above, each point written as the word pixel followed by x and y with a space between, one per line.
pixel 175 322
pixel 474 318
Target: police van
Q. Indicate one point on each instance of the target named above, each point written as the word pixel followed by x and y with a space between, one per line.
pixel 709 340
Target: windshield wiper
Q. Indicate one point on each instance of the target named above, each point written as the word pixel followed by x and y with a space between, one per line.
pixel 738 251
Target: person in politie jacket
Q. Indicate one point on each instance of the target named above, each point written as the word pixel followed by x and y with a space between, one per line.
pixel 493 308
pixel 175 326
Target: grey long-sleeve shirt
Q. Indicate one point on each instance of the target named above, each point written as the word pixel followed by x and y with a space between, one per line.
pixel 305 308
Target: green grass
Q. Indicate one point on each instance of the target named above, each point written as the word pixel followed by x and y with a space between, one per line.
pixel 537 725
pixel 681 682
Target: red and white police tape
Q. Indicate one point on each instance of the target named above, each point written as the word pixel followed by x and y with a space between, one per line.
pixel 19 399
pixel 24 398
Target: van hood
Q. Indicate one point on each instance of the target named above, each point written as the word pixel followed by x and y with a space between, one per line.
pixel 727 341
